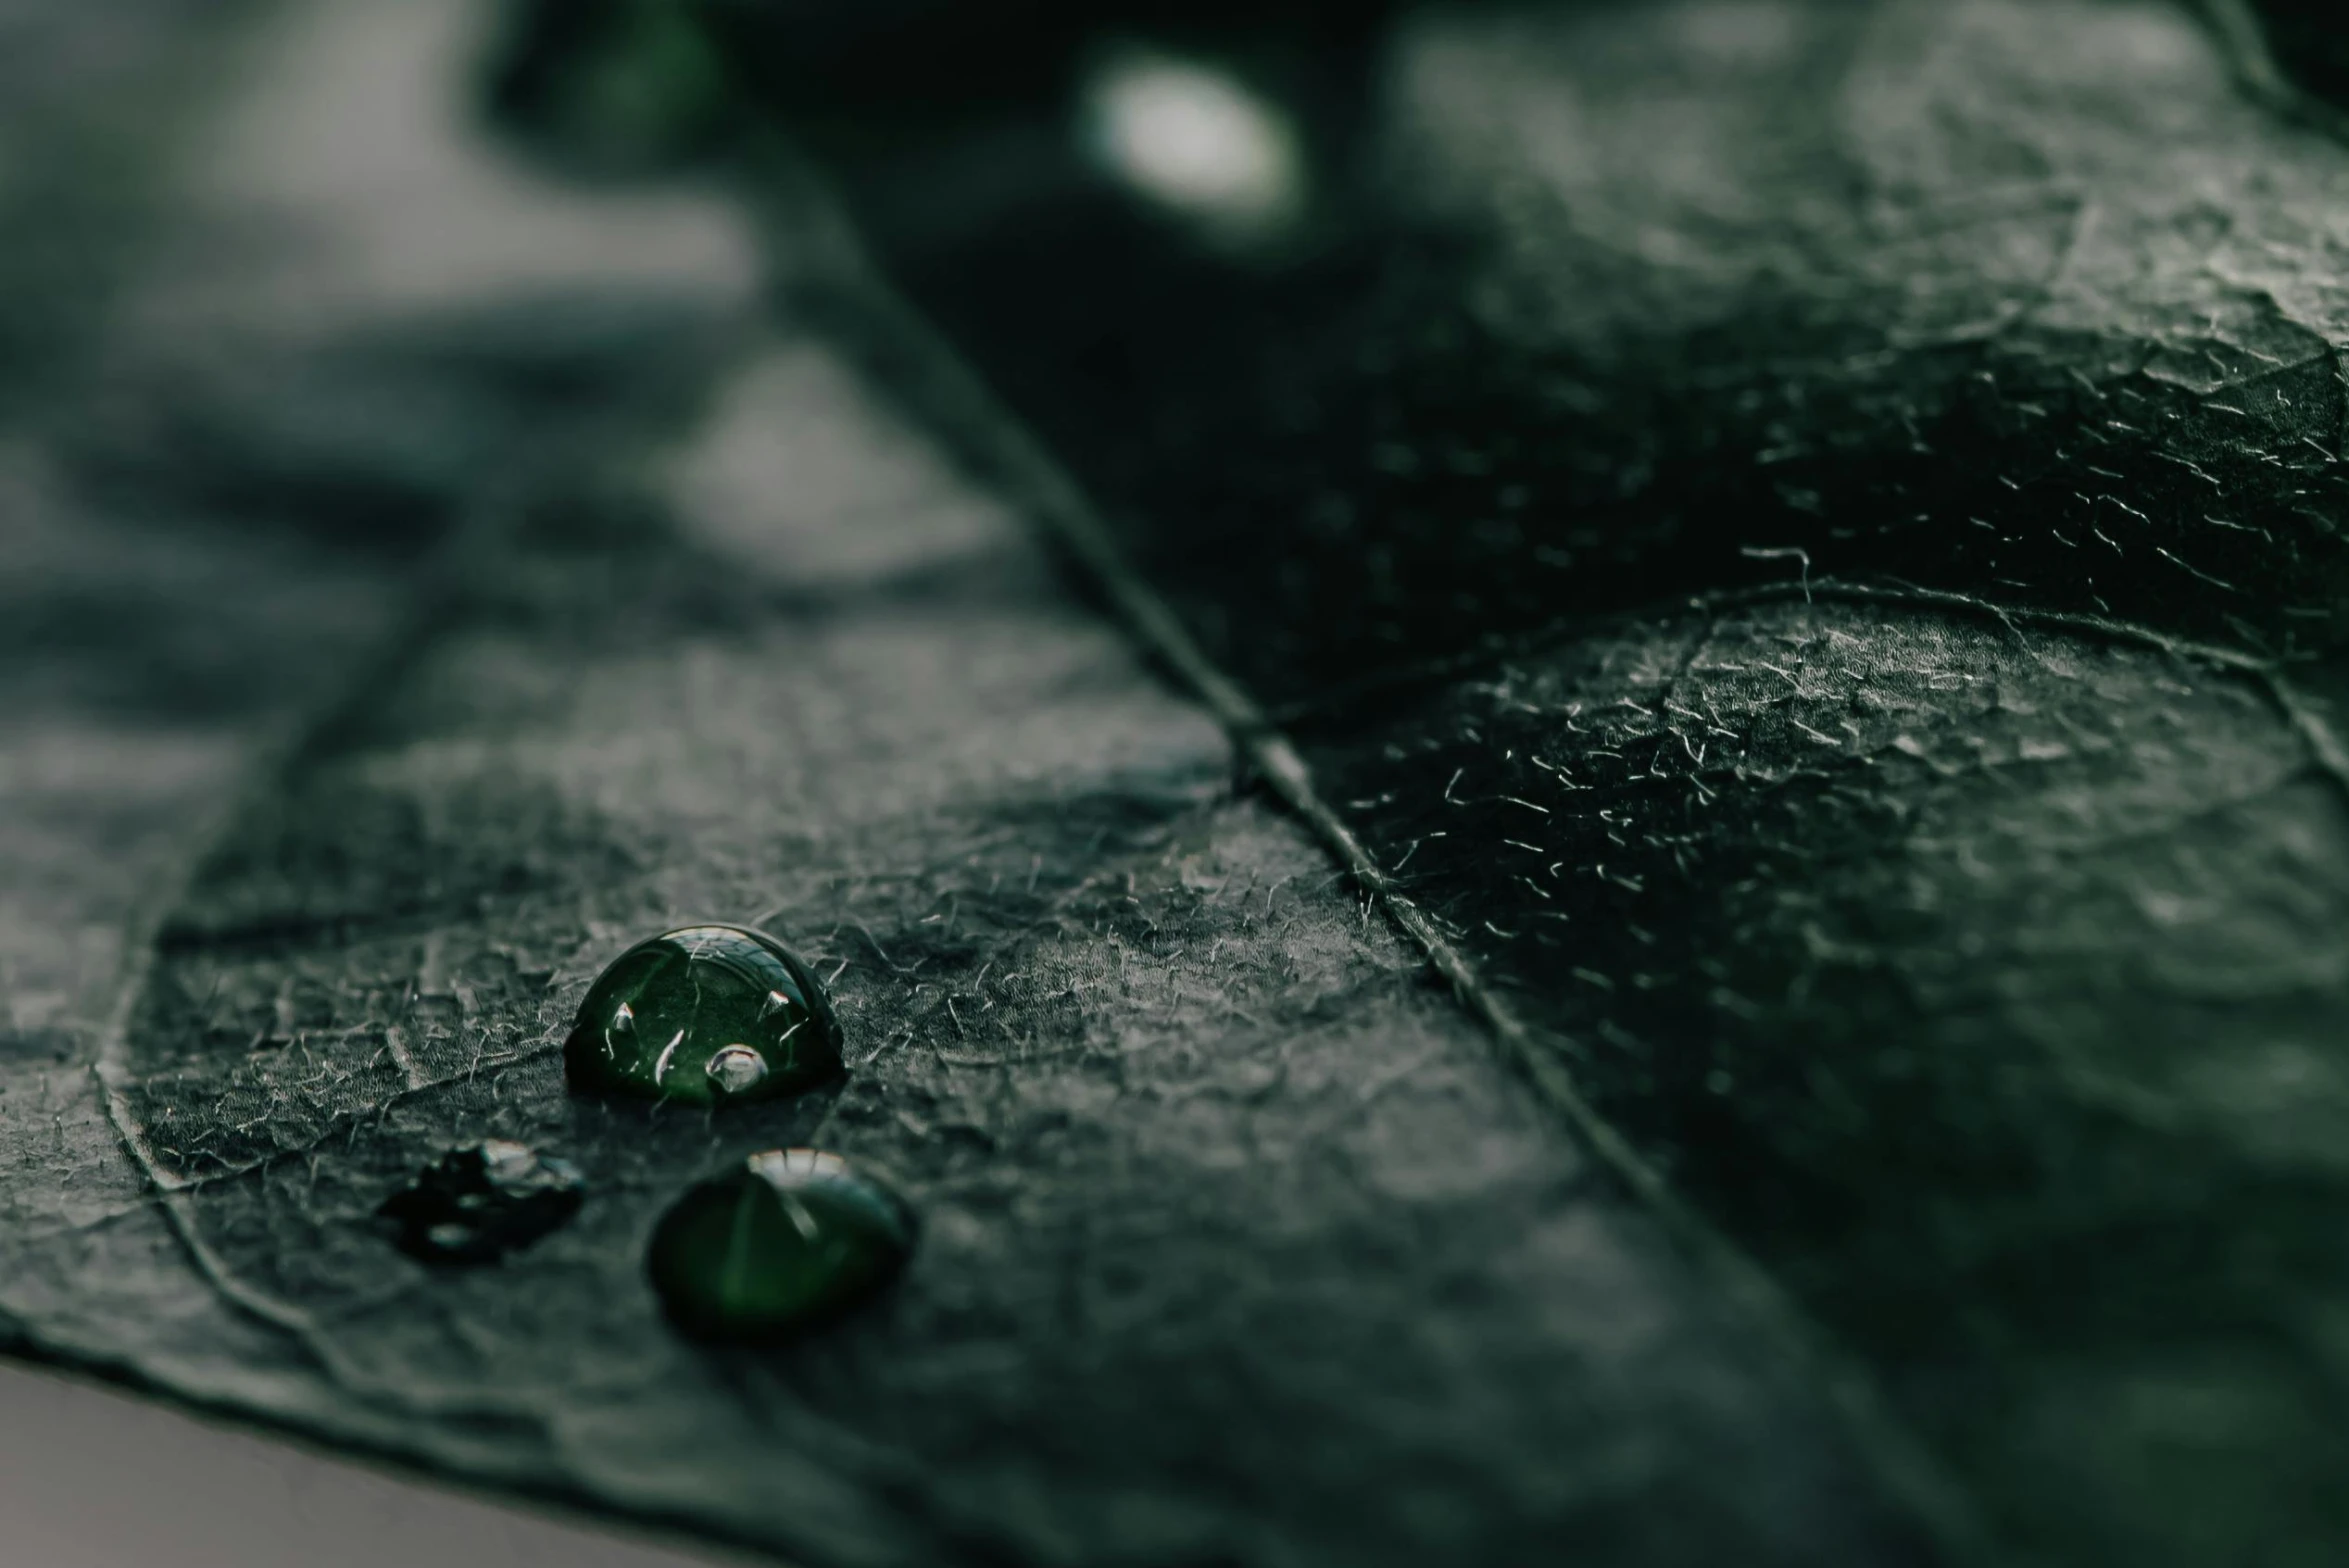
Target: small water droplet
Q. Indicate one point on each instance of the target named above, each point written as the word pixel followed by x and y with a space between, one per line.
pixel 690 999
pixel 782 1242
pixel 475 1204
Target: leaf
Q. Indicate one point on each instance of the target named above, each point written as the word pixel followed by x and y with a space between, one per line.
pixel 487 649
pixel 1799 547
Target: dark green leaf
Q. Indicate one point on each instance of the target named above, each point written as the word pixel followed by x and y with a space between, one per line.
pixel 1235 1244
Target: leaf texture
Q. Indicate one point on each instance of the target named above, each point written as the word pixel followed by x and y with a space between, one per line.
pixel 1801 543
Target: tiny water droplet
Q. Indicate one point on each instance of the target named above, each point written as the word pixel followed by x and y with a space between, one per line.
pixel 475 1204
pixel 666 1019
pixel 782 1242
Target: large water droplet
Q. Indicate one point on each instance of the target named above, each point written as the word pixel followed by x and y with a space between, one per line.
pixel 704 1014
pixel 784 1241
pixel 475 1204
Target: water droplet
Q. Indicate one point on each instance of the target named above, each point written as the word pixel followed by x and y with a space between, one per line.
pixel 1194 141
pixel 475 1204
pixel 704 1014
pixel 782 1242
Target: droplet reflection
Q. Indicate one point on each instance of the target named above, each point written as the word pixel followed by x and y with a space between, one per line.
pixel 735 1071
